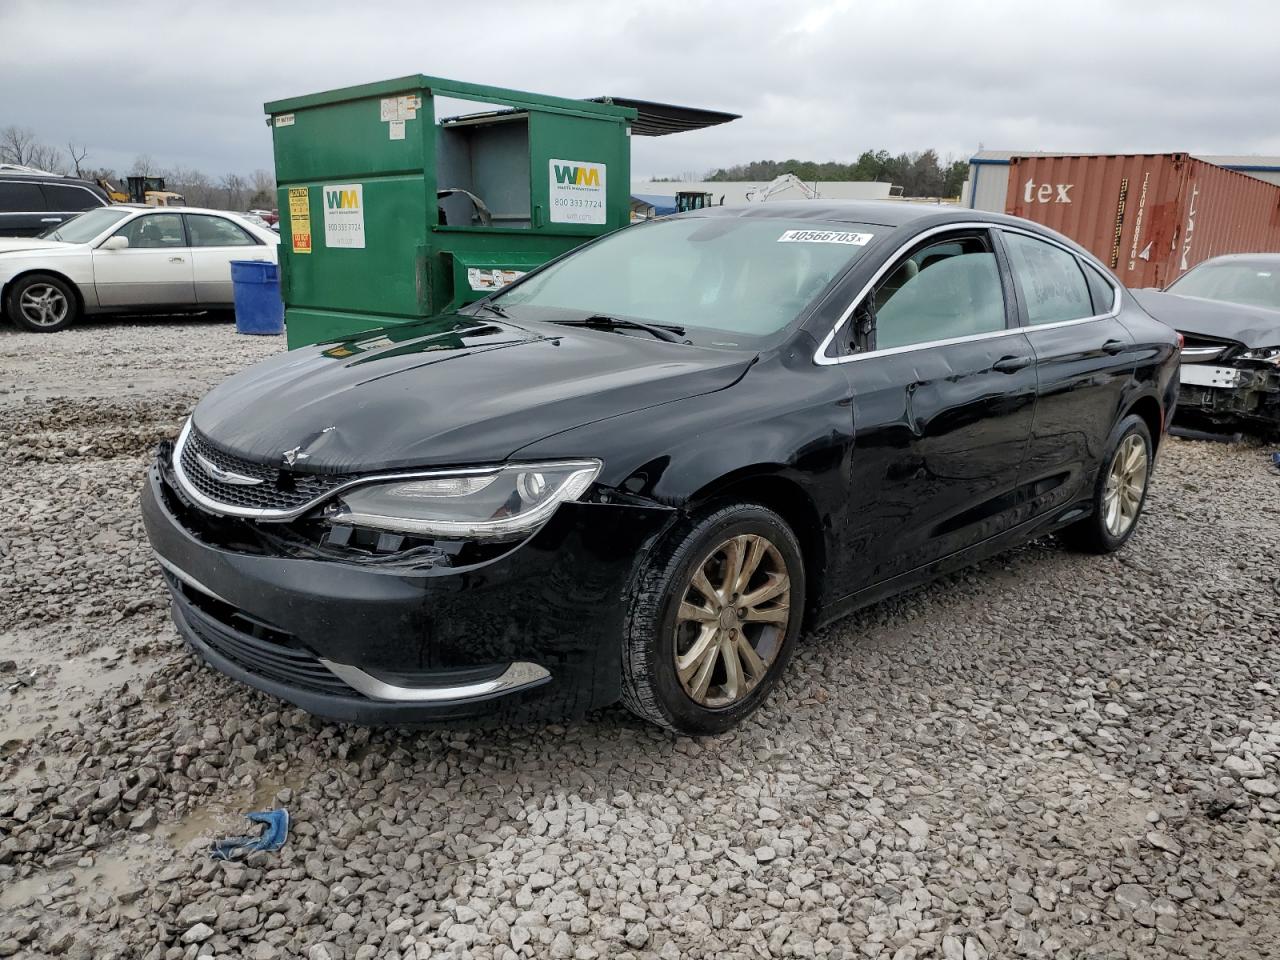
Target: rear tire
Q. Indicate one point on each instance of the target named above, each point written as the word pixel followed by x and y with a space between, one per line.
pixel 42 303
pixel 699 659
pixel 1119 493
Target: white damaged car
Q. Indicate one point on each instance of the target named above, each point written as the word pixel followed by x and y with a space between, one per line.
pixel 127 259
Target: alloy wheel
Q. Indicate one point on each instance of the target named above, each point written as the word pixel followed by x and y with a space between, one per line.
pixel 44 305
pixel 1126 482
pixel 732 620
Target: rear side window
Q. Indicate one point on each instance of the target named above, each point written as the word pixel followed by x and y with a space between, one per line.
pixel 19 197
pixel 1050 280
pixel 946 290
pixel 67 199
pixel 216 232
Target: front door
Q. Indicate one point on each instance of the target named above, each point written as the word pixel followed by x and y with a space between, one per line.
pixel 153 271
pixel 943 395
pixel 1084 359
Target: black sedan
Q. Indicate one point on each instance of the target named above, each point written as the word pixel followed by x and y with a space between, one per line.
pixel 640 471
pixel 1228 309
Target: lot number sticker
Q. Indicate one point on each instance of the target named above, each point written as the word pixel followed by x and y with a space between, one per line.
pixel 577 191
pixel 826 236
pixel 300 219
pixel 344 215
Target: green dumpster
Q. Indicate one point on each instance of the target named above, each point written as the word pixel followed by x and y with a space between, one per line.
pixel 389 214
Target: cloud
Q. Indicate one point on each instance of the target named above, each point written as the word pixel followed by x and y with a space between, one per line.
pixel 821 80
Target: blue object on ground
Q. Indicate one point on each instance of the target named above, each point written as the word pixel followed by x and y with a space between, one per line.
pixel 256 288
pixel 272 837
pixel 1275 458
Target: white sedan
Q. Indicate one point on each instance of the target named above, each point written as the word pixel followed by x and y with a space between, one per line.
pixel 127 259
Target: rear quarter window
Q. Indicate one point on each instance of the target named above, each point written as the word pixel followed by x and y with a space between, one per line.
pixel 66 198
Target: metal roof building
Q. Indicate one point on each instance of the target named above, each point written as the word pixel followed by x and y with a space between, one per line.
pixel 736 191
pixel 988 185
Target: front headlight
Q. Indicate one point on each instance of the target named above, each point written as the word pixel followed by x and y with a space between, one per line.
pixel 1268 354
pixel 495 503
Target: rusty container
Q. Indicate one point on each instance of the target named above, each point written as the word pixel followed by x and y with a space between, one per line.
pixel 1150 217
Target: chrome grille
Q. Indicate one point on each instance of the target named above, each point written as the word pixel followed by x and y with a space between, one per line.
pixel 278 492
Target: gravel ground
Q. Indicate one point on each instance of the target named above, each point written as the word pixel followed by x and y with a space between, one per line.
pixel 1048 756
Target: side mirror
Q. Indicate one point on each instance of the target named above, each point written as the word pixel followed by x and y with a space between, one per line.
pixel 115 243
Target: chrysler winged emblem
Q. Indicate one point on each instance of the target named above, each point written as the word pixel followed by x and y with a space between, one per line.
pixel 293 456
pixel 225 476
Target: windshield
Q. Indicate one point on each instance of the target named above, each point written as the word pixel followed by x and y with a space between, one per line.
pixel 85 227
pixel 1252 284
pixel 742 277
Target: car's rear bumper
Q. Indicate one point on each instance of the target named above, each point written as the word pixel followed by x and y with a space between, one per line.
pixel 534 633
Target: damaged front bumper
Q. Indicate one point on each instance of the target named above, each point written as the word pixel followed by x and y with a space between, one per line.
pixel 1245 392
pixel 533 632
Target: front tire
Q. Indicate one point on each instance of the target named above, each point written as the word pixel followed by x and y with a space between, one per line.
pixel 1119 494
pixel 42 303
pixel 714 618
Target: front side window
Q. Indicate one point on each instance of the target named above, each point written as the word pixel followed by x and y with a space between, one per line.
pixel 1049 278
pixel 209 231
pixel 154 230
pixel 734 277
pixel 944 290
pixel 1251 284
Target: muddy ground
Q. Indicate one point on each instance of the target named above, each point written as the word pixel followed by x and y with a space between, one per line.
pixel 1050 755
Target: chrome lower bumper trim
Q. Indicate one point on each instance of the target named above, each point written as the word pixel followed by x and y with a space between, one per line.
pixel 188 579
pixel 517 675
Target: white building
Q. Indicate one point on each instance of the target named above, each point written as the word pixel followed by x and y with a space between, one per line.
pixel 988 183
pixel 735 191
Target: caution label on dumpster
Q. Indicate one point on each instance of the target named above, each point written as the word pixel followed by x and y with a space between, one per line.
pixel 577 191
pixel 344 215
pixel 300 219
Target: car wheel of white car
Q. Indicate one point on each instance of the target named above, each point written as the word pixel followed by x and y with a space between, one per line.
pixel 42 303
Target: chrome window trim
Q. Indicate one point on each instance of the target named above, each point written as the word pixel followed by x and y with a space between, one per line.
pixel 260 513
pixel 820 355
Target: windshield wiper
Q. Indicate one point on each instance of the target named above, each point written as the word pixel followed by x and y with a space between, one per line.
pixel 495 310
pixel 668 332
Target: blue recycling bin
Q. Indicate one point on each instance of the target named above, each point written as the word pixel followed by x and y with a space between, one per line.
pixel 256 288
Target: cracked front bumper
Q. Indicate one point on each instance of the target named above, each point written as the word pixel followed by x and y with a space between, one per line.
pixel 534 633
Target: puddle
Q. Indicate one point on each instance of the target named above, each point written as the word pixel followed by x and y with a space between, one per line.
pixel 218 819
pixel 48 686
pixel 110 874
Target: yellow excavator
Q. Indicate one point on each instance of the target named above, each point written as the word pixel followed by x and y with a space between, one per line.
pixel 148 190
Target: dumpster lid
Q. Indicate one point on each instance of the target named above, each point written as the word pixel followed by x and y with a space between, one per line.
pixel 659 119
pixel 652 119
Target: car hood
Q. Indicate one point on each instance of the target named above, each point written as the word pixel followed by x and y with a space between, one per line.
pixel 16 244
pixel 1252 326
pixel 452 390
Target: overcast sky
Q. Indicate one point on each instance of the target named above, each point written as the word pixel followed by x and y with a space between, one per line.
pixel 185 83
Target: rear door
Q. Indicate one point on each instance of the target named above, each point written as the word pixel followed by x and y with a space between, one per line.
pixel 153 271
pixel 23 210
pixel 1084 358
pixel 215 242
pixel 943 394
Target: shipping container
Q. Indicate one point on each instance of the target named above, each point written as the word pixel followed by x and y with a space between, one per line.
pixel 1150 217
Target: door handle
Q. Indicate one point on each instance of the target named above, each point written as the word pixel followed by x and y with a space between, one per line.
pixel 1011 364
pixel 50 219
pixel 176 260
pixel 1113 347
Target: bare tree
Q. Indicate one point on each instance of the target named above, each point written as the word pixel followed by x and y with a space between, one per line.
pixel 17 144
pixel 233 185
pixel 77 152
pixel 264 189
pixel 193 184
pixel 144 166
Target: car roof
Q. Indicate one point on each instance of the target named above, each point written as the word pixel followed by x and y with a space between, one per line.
pixel 1269 259
pixel 885 213
pixel 175 209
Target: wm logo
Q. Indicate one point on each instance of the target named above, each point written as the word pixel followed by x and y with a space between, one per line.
pixel 341 199
pixel 581 176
